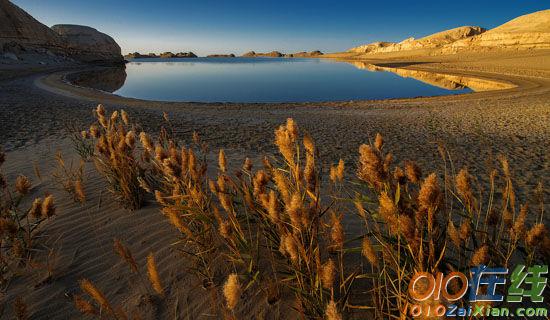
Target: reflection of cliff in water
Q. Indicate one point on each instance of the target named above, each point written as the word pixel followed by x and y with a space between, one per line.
pixel 445 81
pixel 105 79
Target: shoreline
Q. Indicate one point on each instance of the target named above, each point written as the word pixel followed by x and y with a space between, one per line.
pixel 57 83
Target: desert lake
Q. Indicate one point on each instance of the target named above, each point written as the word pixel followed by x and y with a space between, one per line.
pixel 268 80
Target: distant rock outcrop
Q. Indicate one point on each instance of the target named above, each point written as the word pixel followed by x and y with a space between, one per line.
pixel 304 54
pixel 530 31
pixel 249 54
pixel 137 55
pixel 89 45
pixel 186 55
pixel 177 55
pixel 277 54
pixel 231 55
pixel 272 54
pixel 436 40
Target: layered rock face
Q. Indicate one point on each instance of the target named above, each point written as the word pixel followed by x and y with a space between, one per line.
pixel 436 40
pixel 88 45
pixel 19 29
pixel 24 38
pixel 530 31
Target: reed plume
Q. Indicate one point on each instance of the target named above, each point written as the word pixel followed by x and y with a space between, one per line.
pixel 96 294
pixel 369 252
pixel 332 312
pixel 125 254
pixel 480 256
pixel 413 172
pixel 153 274
pixel 48 207
pixel 232 291
pixel 84 306
pixel 328 271
pixel 22 185
pixel 535 236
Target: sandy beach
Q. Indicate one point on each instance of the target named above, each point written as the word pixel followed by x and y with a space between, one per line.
pixel 35 108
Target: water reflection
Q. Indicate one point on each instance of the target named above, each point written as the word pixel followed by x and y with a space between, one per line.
pixel 272 80
pixel 105 79
pixel 444 81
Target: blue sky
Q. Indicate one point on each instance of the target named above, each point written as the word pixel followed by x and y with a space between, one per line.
pixel 208 26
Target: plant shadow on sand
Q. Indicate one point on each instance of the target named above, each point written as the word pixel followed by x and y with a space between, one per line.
pixel 271 239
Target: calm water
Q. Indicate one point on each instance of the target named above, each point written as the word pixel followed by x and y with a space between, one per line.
pixel 265 80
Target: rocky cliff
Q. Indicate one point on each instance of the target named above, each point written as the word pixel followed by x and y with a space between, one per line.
pixel 19 30
pixel 87 44
pixel 531 31
pixel 24 38
pixel 436 40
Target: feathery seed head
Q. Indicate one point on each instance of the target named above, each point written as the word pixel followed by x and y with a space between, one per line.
pixel 222 161
pixel 130 139
pixel 247 165
pixel 428 196
pixel 536 235
pixel 153 274
pixel 413 172
pixel 328 271
pixel 48 207
pixel 480 256
pixel 124 117
pixel 454 234
pixel 36 208
pixel 369 252
pixel 232 291
pixel 22 184
pixel 332 311
pixel 84 306
pixel 378 142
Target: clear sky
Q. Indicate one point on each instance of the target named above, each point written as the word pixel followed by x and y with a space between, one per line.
pixel 209 26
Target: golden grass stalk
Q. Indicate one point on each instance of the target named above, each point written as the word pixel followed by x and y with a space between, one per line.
pixel 535 236
pixel 332 312
pixel 48 207
pixel 79 191
pixel 36 208
pixel 480 256
pixel 84 306
pixel 328 271
pixel 232 291
pixel 98 296
pixel 153 274
pixel 22 184
pixel 369 252
pixel 123 252
pixel 413 172
pixel 222 161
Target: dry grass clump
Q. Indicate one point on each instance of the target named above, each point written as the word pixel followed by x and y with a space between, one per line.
pixel 116 157
pixel 277 230
pixel 81 141
pixel 70 178
pixel 18 225
pixel 100 306
pixel 422 224
pixel 267 223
